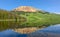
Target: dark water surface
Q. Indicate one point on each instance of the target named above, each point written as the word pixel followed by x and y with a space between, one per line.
pixel 51 31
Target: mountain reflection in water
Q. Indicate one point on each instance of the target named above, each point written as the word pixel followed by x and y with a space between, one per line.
pixel 51 31
pixel 10 33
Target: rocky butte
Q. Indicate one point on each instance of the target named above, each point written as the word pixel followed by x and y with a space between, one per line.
pixel 25 9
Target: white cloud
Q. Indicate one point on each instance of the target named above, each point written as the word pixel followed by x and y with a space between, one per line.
pixel 57 12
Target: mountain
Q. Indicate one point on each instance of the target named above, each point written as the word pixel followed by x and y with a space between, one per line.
pixel 37 18
pixel 25 9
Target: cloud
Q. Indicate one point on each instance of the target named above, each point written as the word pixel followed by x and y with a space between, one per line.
pixel 57 12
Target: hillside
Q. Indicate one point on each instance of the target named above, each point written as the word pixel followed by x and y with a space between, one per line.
pixel 9 20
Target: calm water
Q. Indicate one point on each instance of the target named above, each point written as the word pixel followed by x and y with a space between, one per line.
pixel 51 31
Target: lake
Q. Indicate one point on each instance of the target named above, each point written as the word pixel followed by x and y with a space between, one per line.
pixel 51 31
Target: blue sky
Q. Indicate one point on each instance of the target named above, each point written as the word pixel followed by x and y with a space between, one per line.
pixel 47 5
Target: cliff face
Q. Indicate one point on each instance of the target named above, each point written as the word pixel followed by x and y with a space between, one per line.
pixel 25 9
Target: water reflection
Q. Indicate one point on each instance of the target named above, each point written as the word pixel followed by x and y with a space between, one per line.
pixel 10 33
pixel 51 31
